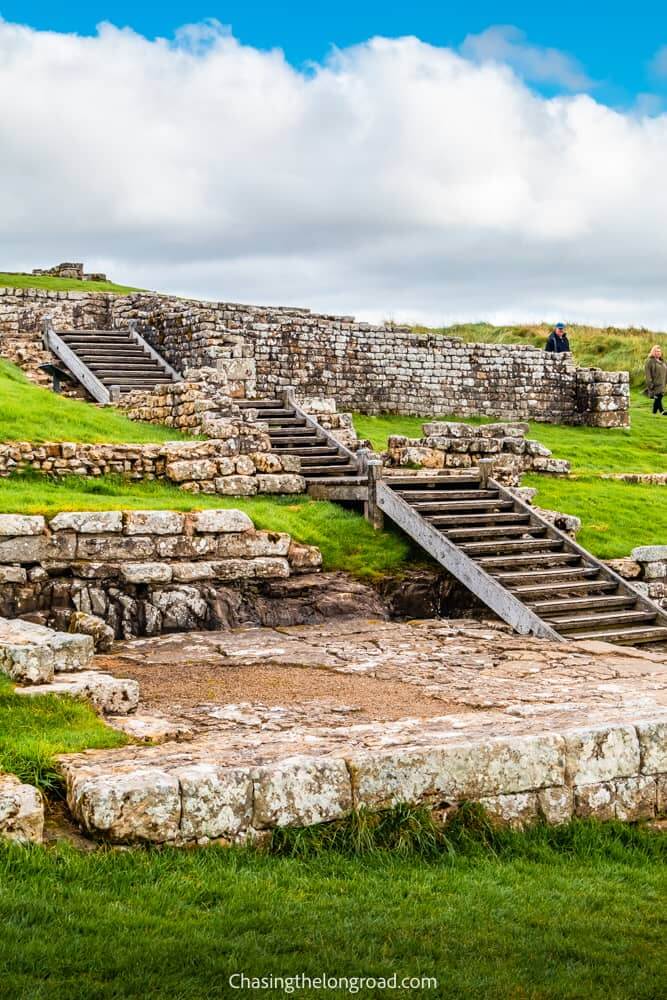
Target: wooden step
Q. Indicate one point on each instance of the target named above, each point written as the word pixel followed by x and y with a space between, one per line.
pixel 626 636
pixel 606 603
pixel 519 545
pixel 292 433
pixel 438 482
pixel 469 506
pixel 437 494
pixel 321 450
pixel 573 586
pixel 277 423
pixel 547 574
pixel 499 531
pixel 491 563
pixel 335 459
pixel 457 496
pixel 329 470
pixel 481 519
pixel 586 622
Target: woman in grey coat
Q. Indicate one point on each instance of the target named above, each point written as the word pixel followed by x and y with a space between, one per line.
pixel 655 371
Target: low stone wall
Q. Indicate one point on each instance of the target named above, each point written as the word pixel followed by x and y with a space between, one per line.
pixel 646 569
pixel 237 465
pixel 142 572
pixel 448 445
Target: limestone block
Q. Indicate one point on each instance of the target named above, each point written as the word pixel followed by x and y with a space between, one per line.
pixel 111 695
pixel 182 608
pixel 185 546
pixel 148 572
pixel 236 486
pixel 233 569
pixel 286 483
pixel 652 747
pixel 444 428
pixel 89 624
pixel 512 810
pixel 636 798
pixel 254 543
pixel 135 548
pixel 556 804
pixel 244 466
pixel 268 462
pixel 197 469
pixel 304 558
pixel 141 804
pixel 292 463
pixel 599 754
pixel 627 568
pixel 429 458
pixel 21 524
pixel 649 553
pixel 21 811
pixel 221 521
pixel 500 766
pixel 301 791
pixel 88 522
pixel 153 522
pixel 37 548
pixel 267 568
pixel 13 574
pixel 595 801
pixel 187 572
pixel 661 800
pixel 655 570
pixel 25 661
pixel 72 652
pixel 216 801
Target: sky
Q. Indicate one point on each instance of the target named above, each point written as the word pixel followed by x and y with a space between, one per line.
pixel 417 163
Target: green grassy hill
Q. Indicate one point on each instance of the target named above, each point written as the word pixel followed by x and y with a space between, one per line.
pixel 611 348
pixel 31 413
pixel 62 284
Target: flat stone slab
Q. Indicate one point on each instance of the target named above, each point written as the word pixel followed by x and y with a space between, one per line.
pixel 21 811
pixel 109 695
pixel 294 726
pixel 32 654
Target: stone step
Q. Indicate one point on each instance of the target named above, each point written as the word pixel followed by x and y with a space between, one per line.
pixel 33 654
pixel 518 545
pixel 112 695
pixel 475 533
pixel 627 636
pixel 576 623
pixel 606 603
pixel 574 586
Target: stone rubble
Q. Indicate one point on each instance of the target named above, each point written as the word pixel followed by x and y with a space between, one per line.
pixel 21 811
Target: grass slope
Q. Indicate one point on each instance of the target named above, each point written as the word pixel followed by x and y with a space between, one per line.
pixel 611 348
pixel 33 730
pixel 347 541
pixel 62 284
pixel 548 915
pixel 30 413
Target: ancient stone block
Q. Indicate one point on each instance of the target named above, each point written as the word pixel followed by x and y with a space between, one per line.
pixel 250 544
pixel 512 810
pixel 595 801
pixel 112 695
pixel 21 811
pixel 88 522
pixel 649 553
pixel 652 747
pixel 90 624
pixel 139 804
pixel 216 801
pixel 556 804
pixel 134 548
pixel 148 572
pixel 221 521
pixel 636 798
pixel 599 754
pixel 72 652
pixel 197 469
pixel 301 791
pixel 285 483
pixel 21 524
pixel 153 522
pixel 236 486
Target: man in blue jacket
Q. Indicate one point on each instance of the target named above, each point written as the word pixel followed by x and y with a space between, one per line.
pixel 558 341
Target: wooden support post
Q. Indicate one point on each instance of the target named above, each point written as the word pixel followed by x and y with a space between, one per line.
pixel 288 393
pixel 114 392
pixel 485 466
pixel 372 512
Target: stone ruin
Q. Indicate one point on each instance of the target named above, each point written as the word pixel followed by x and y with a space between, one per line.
pixel 69 270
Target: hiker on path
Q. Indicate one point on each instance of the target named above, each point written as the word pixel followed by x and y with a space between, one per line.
pixel 558 342
pixel 655 371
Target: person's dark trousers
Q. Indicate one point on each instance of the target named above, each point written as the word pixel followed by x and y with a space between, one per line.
pixel 657 403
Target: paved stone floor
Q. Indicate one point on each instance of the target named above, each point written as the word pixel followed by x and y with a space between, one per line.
pixel 254 699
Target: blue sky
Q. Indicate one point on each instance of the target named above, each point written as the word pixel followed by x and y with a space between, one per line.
pixel 614 42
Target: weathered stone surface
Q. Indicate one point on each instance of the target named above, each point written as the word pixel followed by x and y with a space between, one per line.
pixel 250 544
pixel 304 558
pixel 188 572
pixel 301 791
pixel 216 801
pixel 195 470
pixel 653 747
pixel 143 804
pixel 153 522
pixel 599 754
pixel 221 520
pixel 556 804
pixel 512 810
pixel 499 766
pixel 87 624
pixel 37 548
pixel 649 553
pixel 285 483
pixel 21 811
pixel 88 522
pixel 636 798
pixel 72 652
pixel 148 572
pixel 596 801
pixel 267 568
pixel 21 524
pixel 111 695
pixel 114 547
pixel 236 486
pixel 26 653
pixel 627 568
pixel 13 574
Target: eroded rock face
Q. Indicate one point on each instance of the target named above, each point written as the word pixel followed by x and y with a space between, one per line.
pixel 21 811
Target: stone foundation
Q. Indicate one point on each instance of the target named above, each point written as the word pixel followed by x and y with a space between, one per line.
pixel 447 445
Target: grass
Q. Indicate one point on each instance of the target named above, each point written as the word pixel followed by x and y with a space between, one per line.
pixel 62 284
pixel 547 915
pixel 30 413
pixel 33 730
pixel 611 348
pixel 347 541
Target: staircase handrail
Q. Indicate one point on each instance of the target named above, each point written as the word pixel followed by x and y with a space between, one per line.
pixel 54 343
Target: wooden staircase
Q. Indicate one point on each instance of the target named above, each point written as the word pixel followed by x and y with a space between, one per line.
pixel 109 362
pixel 293 432
pixel 531 574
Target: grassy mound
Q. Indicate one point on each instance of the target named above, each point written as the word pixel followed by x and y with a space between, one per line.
pixel 31 413
pixel 554 915
pixel 53 284
pixel 612 348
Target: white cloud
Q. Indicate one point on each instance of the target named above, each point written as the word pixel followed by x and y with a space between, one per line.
pixel 504 43
pixel 396 180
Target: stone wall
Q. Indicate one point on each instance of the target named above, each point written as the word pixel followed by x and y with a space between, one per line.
pixel 142 572
pixel 448 445
pixel 646 569
pixel 365 367
pixel 237 465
